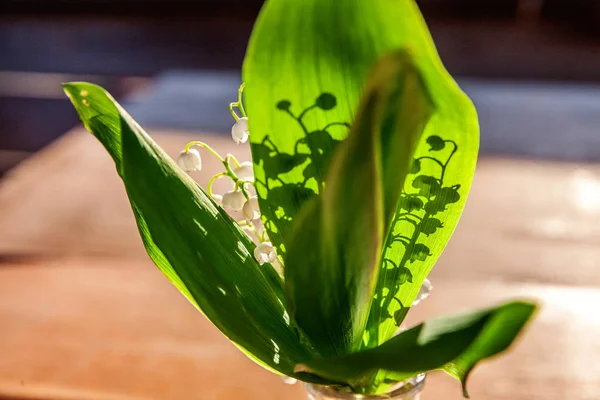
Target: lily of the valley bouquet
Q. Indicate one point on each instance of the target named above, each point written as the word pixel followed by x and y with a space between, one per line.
pixel 363 151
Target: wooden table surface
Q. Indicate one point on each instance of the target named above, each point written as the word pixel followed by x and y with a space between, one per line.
pixel 85 315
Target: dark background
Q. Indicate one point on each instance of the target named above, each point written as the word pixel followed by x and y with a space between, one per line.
pixel 529 59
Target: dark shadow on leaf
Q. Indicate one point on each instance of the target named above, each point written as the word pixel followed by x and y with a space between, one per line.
pixel 430 225
pixel 410 203
pixel 281 196
pixel 427 186
pixel 427 196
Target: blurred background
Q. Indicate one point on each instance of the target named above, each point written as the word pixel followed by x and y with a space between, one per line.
pixel 534 65
pixel 84 314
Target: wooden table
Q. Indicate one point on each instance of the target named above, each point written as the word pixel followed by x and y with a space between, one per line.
pixel 85 315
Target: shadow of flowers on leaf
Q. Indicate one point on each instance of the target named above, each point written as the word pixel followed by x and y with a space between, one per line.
pixel 282 189
pixel 427 195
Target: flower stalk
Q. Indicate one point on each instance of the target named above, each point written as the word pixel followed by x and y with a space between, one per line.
pixel 241 174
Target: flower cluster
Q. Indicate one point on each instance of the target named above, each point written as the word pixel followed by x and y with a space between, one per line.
pixel 241 197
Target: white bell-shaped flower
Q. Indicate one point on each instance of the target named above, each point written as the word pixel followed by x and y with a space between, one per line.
pixel 424 292
pixel 245 171
pixel 265 253
pixel 239 131
pixel 234 199
pixel 218 199
pixel 251 209
pixel 189 160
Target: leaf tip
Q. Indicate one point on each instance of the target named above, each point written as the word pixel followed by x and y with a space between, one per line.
pixel 81 90
pixel 77 93
pixel 528 308
pixel 465 391
pixel 463 383
pixel 69 90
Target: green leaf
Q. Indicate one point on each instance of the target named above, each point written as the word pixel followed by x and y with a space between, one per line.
pixel 499 334
pixel 454 343
pixel 301 50
pixel 333 254
pixel 192 240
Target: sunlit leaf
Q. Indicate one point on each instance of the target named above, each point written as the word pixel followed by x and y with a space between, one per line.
pixel 301 50
pixel 453 343
pixel 500 332
pixel 307 79
pixel 192 240
pixel 333 256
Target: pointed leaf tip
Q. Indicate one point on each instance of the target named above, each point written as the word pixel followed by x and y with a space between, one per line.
pixel 453 343
pixel 498 335
pixel 244 300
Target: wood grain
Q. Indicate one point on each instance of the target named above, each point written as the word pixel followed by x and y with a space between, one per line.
pixel 112 328
pixel 85 315
pixel 68 200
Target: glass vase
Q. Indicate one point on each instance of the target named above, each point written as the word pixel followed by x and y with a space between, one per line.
pixel 407 390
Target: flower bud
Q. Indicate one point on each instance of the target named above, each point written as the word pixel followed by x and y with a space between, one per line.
pixel 251 209
pixel 189 160
pixel 265 253
pixel 234 199
pixel 239 131
pixel 245 171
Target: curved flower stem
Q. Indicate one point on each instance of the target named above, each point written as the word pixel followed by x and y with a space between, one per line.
pixel 240 184
pixel 228 168
pixel 204 146
pixel 232 158
pixel 213 179
pixel 233 113
pixel 240 103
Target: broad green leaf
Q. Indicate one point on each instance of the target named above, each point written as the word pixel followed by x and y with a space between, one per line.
pixel 499 334
pixel 192 240
pixel 305 70
pixel 334 252
pixel 439 343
